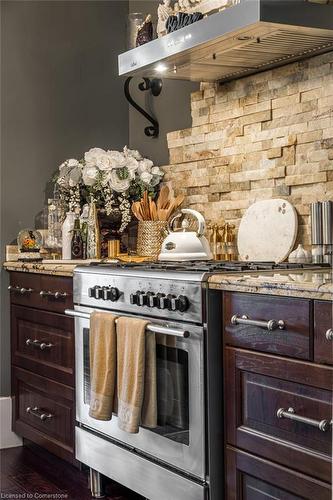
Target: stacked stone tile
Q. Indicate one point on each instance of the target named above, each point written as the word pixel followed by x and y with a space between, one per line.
pixel 265 136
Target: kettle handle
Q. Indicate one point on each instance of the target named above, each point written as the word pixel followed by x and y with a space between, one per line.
pixel 200 219
pixel 170 223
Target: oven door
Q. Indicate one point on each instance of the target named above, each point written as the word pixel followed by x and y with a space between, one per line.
pixel 179 438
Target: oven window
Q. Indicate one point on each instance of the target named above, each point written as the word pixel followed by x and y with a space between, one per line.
pixel 172 393
pixel 172 369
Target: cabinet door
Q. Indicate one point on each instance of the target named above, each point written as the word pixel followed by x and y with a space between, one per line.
pixel 294 339
pixel 52 293
pixel 43 342
pixel 252 478
pixel 43 412
pixel 323 332
pixel 261 393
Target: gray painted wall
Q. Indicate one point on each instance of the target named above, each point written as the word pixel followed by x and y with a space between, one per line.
pixel 171 107
pixel 60 95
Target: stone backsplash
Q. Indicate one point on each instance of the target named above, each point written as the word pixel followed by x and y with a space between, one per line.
pixel 265 136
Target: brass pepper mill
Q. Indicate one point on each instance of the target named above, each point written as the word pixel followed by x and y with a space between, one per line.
pixel 213 239
pixel 216 240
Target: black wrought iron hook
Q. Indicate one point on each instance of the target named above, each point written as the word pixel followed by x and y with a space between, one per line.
pixel 155 86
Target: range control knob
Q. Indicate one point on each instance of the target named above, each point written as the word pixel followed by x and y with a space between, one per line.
pixel 111 293
pixel 144 299
pixel 182 303
pixel 99 292
pixel 165 301
pixel 96 292
pixel 134 298
pixel 154 300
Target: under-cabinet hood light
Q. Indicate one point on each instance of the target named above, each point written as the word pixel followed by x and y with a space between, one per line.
pixel 160 68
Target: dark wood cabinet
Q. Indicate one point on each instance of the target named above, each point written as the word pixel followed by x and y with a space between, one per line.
pixel 323 332
pixel 50 293
pixel 253 478
pixel 259 385
pixel 278 398
pixel 44 412
pixel 292 340
pixel 42 340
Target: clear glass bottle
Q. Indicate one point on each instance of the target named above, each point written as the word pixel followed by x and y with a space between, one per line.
pixel 135 20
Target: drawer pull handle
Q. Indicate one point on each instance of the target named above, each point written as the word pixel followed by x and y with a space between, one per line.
pixel 269 325
pixel 56 295
pixel 18 289
pixel 329 334
pixel 36 412
pixel 37 343
pixel 322 425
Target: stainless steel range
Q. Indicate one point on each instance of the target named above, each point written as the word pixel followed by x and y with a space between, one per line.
pixel 182 458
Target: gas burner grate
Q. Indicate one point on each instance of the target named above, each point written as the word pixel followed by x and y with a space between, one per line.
pixel 208 266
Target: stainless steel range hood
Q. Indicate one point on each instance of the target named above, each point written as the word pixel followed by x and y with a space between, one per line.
pixel 247 38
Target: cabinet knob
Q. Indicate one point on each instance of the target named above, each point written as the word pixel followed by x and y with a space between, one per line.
pixel 38 413
pixel 18 289
pixel 323 425
pixel 55 295
pixel 329 334
pixel 38 343
pixel 270 325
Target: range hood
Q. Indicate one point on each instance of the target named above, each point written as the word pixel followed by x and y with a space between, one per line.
pixel 246 38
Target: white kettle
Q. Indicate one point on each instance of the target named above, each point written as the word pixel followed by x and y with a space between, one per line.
pixel 182 244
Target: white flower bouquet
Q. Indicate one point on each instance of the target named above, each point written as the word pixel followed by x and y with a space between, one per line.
pixel 109 178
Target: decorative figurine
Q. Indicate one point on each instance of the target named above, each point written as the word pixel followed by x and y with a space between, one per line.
pixel 164 11
pixel 188 7
pixel 29 242
pixel 181 20
pixel 145 32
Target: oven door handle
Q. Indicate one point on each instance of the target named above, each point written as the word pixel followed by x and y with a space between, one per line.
pixel 151 327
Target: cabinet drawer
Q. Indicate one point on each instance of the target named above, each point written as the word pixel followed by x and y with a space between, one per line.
pixel 323 332
pixel 43 342
pixel 255 392
pixel 294 339
pixel 43 412
pixel 53 293
pixel 252 478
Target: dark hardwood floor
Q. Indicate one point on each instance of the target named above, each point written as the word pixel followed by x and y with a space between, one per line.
pixel 27 470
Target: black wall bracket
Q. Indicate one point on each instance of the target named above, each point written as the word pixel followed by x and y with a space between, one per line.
pixel 155 87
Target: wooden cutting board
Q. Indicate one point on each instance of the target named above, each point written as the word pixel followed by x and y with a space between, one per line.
pixel 267 231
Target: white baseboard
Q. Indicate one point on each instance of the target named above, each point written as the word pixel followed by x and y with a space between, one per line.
pixel 8 439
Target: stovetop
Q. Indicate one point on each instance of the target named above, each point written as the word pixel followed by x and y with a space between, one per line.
pixel 164 290
pixel 208 266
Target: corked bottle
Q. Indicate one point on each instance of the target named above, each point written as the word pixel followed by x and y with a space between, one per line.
pixel 77 240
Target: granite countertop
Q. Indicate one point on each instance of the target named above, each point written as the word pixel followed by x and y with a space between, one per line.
pixel 311 284
pixel 54 269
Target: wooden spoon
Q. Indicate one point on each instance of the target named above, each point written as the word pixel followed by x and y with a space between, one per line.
pixel 163 197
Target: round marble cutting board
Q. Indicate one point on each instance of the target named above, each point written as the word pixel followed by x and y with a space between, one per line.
pixel 267 231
